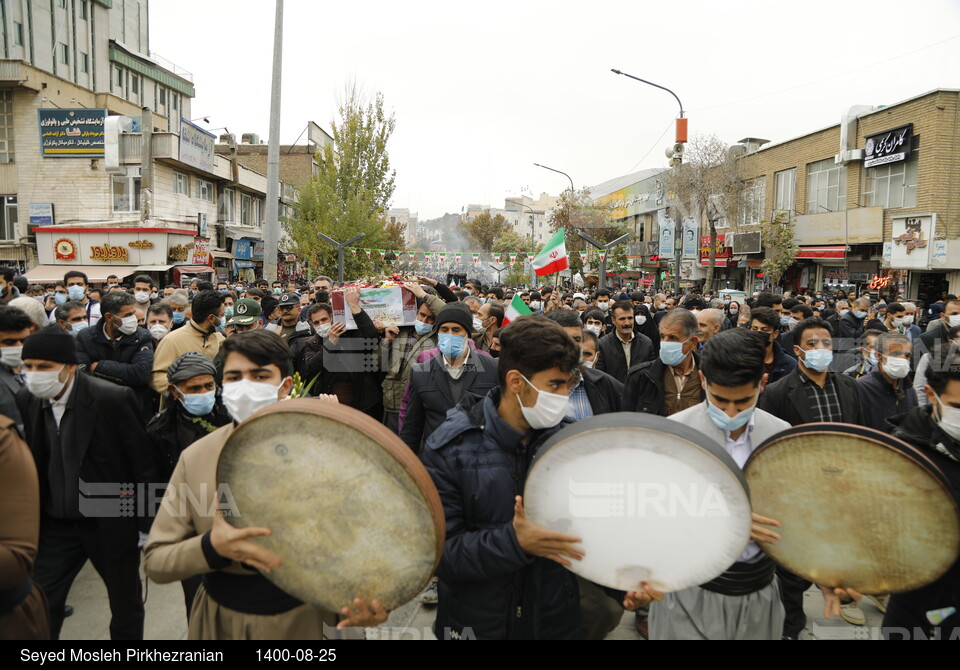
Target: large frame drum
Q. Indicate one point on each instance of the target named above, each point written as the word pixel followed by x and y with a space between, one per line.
pixel 353 512
pixel 859 508
pixel 652 499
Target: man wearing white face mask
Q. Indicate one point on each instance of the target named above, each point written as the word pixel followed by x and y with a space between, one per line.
pixel 812 393
pixel 188 540
pixel 885 392
pixel 87 436
pixel 119 351
pixel 15 327
pixel 939 334
pixel 500 575
pixel 76 284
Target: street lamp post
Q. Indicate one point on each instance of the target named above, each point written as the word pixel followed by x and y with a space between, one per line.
pixel 340 247
pixel 603 247
pixel 533 238
pixel 498 271
pixel 572 190
pixel 681 138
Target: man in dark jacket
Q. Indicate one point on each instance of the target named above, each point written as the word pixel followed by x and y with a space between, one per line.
pixel 15 327
pixel 596 392
pixel 502 577
pixel 810 394
pixel 623 348
pixel 885 391
pixel 117 350
pixel 938 334
pixel 195 411
pixel 935 430
pixel 671 382
pixel 438 384
pixel 777 363
pixel 88 440
pixel 852 324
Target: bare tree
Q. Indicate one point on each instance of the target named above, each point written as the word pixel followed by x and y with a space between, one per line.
pixel 707 186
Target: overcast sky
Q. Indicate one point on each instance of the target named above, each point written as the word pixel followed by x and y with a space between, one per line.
pixel 481 91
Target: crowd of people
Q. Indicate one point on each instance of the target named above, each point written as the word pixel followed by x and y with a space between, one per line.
pixel 144 384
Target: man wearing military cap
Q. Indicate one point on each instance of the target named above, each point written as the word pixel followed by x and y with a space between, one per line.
pixel 246 315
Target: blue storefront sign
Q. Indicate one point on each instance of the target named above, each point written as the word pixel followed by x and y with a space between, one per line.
pixel 243 250
pixel 71 133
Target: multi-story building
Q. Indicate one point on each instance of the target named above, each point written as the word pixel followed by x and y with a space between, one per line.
pixel 403 216
pixel 875 199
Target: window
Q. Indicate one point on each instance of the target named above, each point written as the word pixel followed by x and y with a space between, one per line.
pixel 62 4
pixel 84 62
pixel 126 194
pixel 6 126
pixel 163 97
pixel 18 34
pixel 173 100
pixel 785 191
pixel 246 210
pixel 826 187
pixel 257 212
pixel 204 190
pixel 227 204
pixel 8 227
pixel 894 185
pixel 64 53
pixel 135 85
pixel 181 184
pixel 83 10
pixel 119 77
pixel 754 192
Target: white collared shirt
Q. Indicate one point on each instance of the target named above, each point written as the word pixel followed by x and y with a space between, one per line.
pixel 740 450
pixel 60 406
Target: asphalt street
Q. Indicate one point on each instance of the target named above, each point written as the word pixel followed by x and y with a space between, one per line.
pixel 166 618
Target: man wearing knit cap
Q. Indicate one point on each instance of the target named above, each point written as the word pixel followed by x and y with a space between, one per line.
pixel 195 411
pixel 438 384
pixel 90 446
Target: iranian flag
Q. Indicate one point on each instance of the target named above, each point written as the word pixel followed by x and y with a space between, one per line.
pixel 412 254
pixel 368 252
pixel 553 258
pixel 496 258
pixel 476 258
pixel 583 257
pixel 515 309
pixel 458 256
pixel 513 257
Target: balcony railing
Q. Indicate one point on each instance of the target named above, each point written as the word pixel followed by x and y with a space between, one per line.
pixel 170 66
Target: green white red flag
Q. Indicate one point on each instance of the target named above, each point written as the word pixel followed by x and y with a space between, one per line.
pixel 553 258
pixel 515 309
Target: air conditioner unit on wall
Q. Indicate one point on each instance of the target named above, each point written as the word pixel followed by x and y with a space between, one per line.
pixel 746 243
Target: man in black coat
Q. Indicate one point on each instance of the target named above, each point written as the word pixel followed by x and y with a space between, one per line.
pixel 596 392
pixel 117 350
pixel 810 394
pixel 88 441
pixel 623 348
pixel 438 384
pixel 15 327
pixel 670 383
pixel 940 333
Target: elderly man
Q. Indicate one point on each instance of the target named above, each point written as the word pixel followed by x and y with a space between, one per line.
pixel 710 322
pixel 885 392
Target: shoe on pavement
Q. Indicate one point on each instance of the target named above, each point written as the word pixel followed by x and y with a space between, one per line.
pixel 881 602
pixel 852 613
pixel 429 596
pixel 642 624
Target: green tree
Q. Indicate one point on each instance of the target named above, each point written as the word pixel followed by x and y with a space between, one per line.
pixel 483 230
pixel 351 191
pixel 779 242
pixel 577 212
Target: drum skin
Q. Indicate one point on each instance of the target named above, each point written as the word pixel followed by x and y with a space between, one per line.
pixel 652 499
pixel 353 512
pixel 859 508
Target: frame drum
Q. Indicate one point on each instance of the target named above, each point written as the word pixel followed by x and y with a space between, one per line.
pixel 652 499
pixel 859 508
pixel 353 512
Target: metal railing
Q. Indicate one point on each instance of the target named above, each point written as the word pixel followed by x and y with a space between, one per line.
pixel 171 66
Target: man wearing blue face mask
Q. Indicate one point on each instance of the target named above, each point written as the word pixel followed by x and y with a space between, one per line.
pixel 812 394
pixel 76 285
pixel 744 602
pixel 197 412
pixel 400 348
pixel 669 383
pixel 438 384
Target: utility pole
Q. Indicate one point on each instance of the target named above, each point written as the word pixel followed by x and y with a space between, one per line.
pixel 603 247
pixel 340 247
pixel 271 232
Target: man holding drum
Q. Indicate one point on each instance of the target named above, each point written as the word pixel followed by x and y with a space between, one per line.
pixel 192 538
pixel 500 575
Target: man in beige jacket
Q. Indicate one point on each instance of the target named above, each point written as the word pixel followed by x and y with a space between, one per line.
pixel 235 601
pixel 199 334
